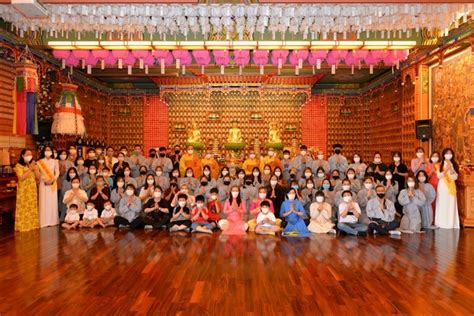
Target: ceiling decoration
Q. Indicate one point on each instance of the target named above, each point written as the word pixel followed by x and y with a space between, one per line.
pixel 246 21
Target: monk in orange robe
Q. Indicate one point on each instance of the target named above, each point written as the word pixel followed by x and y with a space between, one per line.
pixel 272 160
pixel 190 160
pixel 208 160
pixel 250 163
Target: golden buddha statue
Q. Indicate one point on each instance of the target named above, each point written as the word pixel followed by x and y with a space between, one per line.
pixel 235 135
pixel 194 134
pixel 274 134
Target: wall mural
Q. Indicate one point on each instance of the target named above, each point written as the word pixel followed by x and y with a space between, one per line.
pixel 453 105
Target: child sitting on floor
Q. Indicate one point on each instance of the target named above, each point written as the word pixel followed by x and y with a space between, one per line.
pixel 266 220
pixel 72 219
pixel 200 217
pixel 180 219
pixel 214 206
pixel 91 216
pixel 108 215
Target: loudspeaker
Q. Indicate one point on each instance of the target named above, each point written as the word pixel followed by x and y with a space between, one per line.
pixel 44 132
pixel 424 129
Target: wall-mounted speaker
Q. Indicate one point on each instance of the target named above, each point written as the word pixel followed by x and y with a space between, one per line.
pixel 424 129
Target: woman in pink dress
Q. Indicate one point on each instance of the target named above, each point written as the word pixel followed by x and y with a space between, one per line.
pixel 234 208
pixel 432 170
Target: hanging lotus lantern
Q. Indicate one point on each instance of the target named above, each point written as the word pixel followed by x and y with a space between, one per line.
pixel 68 119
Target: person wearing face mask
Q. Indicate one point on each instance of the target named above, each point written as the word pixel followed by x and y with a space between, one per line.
pixel 204 187
pixel 72 219
pixel 267 173
pixel 271 160
pixel 206 172
pixel 320 175
pixel 155 212
pixel 257 178
pixel 118 192
pixel 200 217
pixel 286 163
pixel 26 210
pixel 391 187
pixel 337 161
pixel 76 196
pixel 301 162
pixel 364 196
pixel 276 193
pixel 127 176
pixel 432 171
pixel 349 216
pixel 161 180
pixel 251 163
pixel 180 217
pixel 345 186
pixel 234 208
pixel 70 174
pixel 64 165
pixel 100 164
pixel 320 162
pixel 355 183
pixel 48 189
pixel 90 218
pixel 359 166
pixel 162 161
pixel 214 206
pixel 110 160
pixel 141 179
pixel 308 193
pixel 89 179
pixel 307 174
pixel 212 164
pixel 412 199
pixel 127 158
pixel 190 160
pixel 171 192
pixel 129 208
pixel 328 191
pixel 399 171
pixel 224 188
pixel 189 180
pixel 381 214
pixel 254 209
pixel 91 158
pixel 72 154
pixel 99 194
pixel 430 194
pixel 294 214
pixel 108 179
pixel 336 180
pixel 294 185
pixel 447 215
pixel 279 174
pixel 107 215
pixel 81 170
pixel 420 162
pixel 137 159
pixel 266 222
pixel 320 216
pixel 119 167
pixel 184 189
pixel 176 157
pixel 152 156
pixel 378 168
pixel 146 192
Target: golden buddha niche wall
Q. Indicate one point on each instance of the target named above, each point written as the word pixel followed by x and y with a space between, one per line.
pixel 214 111
pixel 126 121
pixel 452 101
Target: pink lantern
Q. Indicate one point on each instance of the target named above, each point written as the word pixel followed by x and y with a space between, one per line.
pixel 161 55
pixel 279 57
pixel 360 55
pixel 341 53
pixel 297 57
pixel 81 55
pixel 202 58
pixel 316 57
pixel 129 61
pixel 183 57
pixel 120 55
pixel 371 60
pixel 110 60
pixel 350 60
pixel 72 61
pixel 221 58
pixel 102 55
pixel 260 58
pixel 148 61
pixel 140 55
pixel 400 55
pixel 333 59
pixel 241 58
pixel 63 55
pixel 91 61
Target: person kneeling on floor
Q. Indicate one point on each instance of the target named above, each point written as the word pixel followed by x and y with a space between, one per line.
pixel 381 213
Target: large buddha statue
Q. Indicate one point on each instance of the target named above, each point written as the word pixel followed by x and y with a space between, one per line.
pixel 194 134
pixel 274 134
pixel 235 135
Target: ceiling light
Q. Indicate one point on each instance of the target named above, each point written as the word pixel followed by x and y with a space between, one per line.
pixel 66 45
pixel 323 44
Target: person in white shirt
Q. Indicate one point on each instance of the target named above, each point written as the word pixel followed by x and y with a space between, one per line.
pixel 108 215
pixel 349 213
pixel 90 218
pixel 320 213
pixel 72 219
pixel 266 220
pixel 381 213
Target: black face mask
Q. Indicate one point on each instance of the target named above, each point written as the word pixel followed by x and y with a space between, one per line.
pixel 153 155
pixel 203 183
pixel 335 177
pixel 370 174
pixel 248 182
pixel 381 195
pixel 226 182
pixel 176 152
pixel 337 151
pixel 162 155
pixel 292 176
pixel 142 172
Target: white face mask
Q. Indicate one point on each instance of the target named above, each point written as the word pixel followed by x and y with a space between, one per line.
pixel 62 157
pixel 307 175
pixel 388 177
pixel 320 175
pixel 377 160
pixel 356 159
pixel 434 159
pixel 225 172
pixel 320 157
pixel 252 156
pixel 273 183
pixel 347 199
pixel 419 155
pixel 157 194
pixel 92 155
pixel 271 153
pixel 286 156
pixel 351 176
pixel 120 184
pixel 206 172
pixel 411 184
pixel 266 171
pixel 262 196
pixel 150 182
pixel 235 194
pixel 396 159
pixel 127 173
pixel 130 192
pixel 75 185
pixel 159 173
pixel 310 186
pixel 108 207
pixel 120 158
pixel 189 175
pixel 101 161
pixel 448 156
pixel 48 153
pixel 265 210
pixel 320 199
pixel 27 158
pixel 214 197
pixel 92 171
pixel 190 152
pixel 256 174
pixel 105 174
pixel 199 205
pixel 346 187
pixel 182 204
pixel 90 207
pixel 368 186
pixel 291 196
pixel 422 179
pixel 242 175
pixel 303 153
pixel 278 173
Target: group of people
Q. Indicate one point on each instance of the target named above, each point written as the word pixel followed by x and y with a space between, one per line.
pixel 182 191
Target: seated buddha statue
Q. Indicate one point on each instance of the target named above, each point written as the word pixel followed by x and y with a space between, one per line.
pixel 274 134
pixel 194 135
pixel 235 135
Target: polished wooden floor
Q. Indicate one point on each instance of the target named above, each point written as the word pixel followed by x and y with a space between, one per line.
pixel 109 271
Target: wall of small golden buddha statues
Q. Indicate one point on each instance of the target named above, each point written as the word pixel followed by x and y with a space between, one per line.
pixel 214 111
pixel 126 121
pixel 453 105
